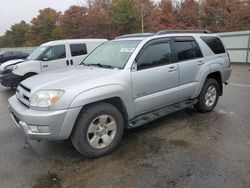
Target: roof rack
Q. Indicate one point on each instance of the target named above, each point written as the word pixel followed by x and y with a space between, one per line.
pixel 135 35
pixel 161 33
pixel 182 31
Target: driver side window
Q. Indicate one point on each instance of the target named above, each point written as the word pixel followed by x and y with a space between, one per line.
pixel 56 52
pixel 155 55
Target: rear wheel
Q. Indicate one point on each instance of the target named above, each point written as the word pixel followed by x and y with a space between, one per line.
pixel 209 96
pixel 98 131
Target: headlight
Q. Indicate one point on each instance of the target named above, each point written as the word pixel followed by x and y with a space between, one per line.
pixel 45 99
pixel 11 67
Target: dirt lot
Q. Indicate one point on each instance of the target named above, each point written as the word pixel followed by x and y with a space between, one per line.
pixel 184 149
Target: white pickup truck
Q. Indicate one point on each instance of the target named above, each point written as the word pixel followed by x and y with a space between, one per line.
pixel 49 56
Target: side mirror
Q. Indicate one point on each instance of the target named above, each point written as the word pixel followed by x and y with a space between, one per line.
pixel 134 66
pixel 45 57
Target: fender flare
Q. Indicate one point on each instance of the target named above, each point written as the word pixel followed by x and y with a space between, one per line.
pixel 104 93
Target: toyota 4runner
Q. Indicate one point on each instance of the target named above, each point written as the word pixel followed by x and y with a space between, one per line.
pixel 124 83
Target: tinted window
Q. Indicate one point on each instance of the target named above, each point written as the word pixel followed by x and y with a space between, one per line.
pixel 184 50
pixel 78 49
pixel 214 44
pixel 155 55
pixel 16 53
pixel 7 54
pixel 56 52
pixel 197 50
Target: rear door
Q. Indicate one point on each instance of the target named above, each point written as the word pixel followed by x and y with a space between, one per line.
pixel 190 60
pixel 156 78
pixel 55 57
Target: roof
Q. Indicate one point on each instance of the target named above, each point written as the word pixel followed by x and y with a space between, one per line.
pixel 66 41
pixel 166 35
pixel 135 35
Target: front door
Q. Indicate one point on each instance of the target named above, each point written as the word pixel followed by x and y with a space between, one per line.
pixel 156 78
pixel 55 58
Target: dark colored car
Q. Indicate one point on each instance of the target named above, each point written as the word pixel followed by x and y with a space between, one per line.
pixel 9 55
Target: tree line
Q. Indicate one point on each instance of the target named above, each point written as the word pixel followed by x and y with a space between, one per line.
pixel 109 18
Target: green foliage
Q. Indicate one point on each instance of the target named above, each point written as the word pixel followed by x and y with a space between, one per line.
pixel 124 16
pixel 16 36
pixel 44 27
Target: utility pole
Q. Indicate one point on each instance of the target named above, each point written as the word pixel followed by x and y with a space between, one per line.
pixel 142 23
pixel 142 19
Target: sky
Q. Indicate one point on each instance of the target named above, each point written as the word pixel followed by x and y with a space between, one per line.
pixel 13 11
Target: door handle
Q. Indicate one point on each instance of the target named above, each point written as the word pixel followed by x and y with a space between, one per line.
pixel 67 62
pixel 200 62
pixel 45 66
pixel 172 69
pixel 71 62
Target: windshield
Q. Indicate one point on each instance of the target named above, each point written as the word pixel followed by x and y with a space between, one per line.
pixel 113 54
pixel 37 52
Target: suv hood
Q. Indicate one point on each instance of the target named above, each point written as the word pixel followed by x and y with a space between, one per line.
pixel 65 78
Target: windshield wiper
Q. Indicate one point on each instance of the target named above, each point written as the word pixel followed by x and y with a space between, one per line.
pixel 100 65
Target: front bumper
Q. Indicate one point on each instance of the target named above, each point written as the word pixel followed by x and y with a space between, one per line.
pixel 10 80
pixel 43 125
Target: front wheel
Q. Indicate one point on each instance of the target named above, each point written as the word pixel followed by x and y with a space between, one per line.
pixel 209 96
pixel 98 131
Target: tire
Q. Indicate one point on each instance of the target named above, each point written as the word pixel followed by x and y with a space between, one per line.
pixel 209 92
pixel 90 137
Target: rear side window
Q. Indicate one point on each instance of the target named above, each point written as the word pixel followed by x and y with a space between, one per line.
pixel 214 44
pixel 197 50
pixel 184 50
pixel 78 49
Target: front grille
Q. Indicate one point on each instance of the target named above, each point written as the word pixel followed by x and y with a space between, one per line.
pixel 23 95
pixel 25 88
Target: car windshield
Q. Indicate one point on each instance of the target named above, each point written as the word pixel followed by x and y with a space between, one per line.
pixel 37 52
pixel 112 54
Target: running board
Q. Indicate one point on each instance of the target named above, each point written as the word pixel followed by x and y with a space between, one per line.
pixel 151 116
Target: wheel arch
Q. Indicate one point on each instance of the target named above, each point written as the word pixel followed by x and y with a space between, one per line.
pixel 30 74
pixel 115 101
pixel 217 76
pixel 207 74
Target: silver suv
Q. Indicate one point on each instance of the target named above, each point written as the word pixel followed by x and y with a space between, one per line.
pixel 124 83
